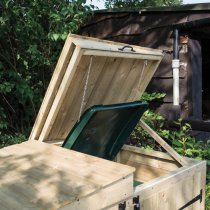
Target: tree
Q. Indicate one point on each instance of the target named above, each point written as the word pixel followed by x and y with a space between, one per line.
pixel 140 3
pixel 32 33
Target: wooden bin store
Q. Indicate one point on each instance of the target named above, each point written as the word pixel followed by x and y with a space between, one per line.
pixel 39 174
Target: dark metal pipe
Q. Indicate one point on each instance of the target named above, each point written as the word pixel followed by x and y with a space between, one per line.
pixel 176 44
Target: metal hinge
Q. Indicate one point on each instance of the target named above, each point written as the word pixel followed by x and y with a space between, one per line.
pixel 122 206
pixel 198 197
pixel 136 204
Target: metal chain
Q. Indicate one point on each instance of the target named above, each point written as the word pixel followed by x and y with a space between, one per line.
pixel 85 88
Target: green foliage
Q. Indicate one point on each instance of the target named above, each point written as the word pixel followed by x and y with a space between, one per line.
pixel 152 96
pixel 185 144
pixel 7 139
pixel 31 38
pixel 140 3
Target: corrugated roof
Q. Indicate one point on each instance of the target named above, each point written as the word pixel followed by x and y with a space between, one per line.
pixel 179 8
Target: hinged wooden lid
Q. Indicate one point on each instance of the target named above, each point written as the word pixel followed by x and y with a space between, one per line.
pixel 90 72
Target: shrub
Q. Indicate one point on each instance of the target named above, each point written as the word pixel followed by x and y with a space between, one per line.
pixel 31 38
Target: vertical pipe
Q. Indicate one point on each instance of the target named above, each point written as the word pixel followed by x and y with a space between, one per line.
pixel 176 44
pixel 175 66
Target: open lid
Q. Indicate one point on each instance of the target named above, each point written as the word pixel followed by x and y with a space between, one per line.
pixel 104 129
pixel 89 72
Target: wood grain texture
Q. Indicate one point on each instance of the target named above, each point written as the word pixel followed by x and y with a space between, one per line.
pixel 36 175
pixel 168 190
pixel 52 88
pixel 115 77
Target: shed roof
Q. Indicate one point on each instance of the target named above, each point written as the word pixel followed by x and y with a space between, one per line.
pixel 179 8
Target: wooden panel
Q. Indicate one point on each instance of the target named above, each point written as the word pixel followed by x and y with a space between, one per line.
pixel 35 175
pixel 174 197
pixel 61 94
pixel 147 165
pixel 145 173
pixel 97 72
pixel 173 190
pixel 53 87
pixel 77 83
pixel 105 198
pixel 156 162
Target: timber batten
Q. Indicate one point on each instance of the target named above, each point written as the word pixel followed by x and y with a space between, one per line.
pixel 38 175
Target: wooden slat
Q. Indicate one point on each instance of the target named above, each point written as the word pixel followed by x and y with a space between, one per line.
pixel 143 172
pixel 62 122
pixel 113 86
pixel 98 94
pixel 148 152
pixel 52 88
pixel 105 45
pixel 61 94
pixel 63 156
pixel 158 139
pixel 122 54
pixel 102 199
pixel 203 185
pixel 148 160
pixel 145 79
pixel 131 82
pixel 196 187
pixel 98 64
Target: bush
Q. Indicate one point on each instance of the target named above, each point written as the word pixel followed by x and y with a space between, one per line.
pixel 31 38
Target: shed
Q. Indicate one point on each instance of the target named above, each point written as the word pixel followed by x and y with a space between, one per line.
pixel 39 175
pixel 153 27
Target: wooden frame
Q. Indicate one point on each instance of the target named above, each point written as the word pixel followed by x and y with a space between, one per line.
pixel 116 76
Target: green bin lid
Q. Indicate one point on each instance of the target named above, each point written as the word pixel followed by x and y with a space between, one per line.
pixel 103 129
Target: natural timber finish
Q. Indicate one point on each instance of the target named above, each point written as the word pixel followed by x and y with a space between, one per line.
pixel 158 139
pixel 169 190
pixel 36 175
pixel 98 70
pixel 53 87
pixel 173 190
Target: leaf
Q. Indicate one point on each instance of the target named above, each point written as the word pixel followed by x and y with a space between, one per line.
pixel 55 36
pixel 176 143
pixel 188 152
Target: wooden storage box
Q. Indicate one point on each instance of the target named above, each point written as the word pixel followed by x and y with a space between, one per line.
pixel 89 72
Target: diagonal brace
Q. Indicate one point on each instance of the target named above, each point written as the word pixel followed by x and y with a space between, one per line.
pixel 166 146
